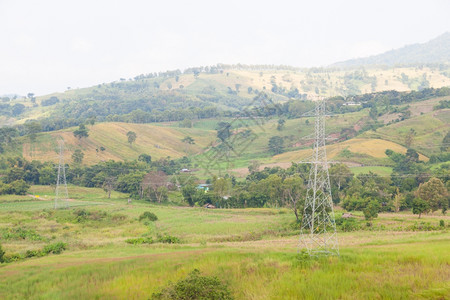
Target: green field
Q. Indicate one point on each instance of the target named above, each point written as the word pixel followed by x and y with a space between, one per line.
pixel 255 251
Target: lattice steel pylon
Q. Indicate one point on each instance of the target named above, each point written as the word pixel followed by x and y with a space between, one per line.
pixel 61 194
pixel 318 230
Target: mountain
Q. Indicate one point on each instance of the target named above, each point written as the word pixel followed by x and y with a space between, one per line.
pixel 436 51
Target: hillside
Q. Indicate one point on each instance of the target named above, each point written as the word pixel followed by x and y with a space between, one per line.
pixel 363 147
pixel 207 92
pixel 436 51
pixel 155 140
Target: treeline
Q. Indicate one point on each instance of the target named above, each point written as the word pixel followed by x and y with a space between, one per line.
pixel 19 174
pixel 412 185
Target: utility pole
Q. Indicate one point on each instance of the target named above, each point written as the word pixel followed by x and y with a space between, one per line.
pixel 61 194
pixel 318 230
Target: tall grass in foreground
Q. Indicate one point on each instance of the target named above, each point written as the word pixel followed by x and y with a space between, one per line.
pixel 400 271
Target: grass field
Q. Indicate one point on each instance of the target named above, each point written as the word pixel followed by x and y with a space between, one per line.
pixel 151 139
pixel 253 250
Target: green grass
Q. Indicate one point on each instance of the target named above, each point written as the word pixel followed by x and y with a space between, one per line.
pixel 392 271
pixel 382 171
pixel 253 250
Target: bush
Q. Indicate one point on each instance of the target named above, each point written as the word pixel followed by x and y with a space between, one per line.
pixel 168 239
pixel 12 257
pixel 441 223
pixel 55 248
pixel 139 241
pixel 349 225
pixel 20 233
pixel 2 254
pixel 32 253
pixel 148 215
pixel 195 286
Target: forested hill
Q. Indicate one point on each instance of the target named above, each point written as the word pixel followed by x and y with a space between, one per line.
pixel 206 92
pixel 436 51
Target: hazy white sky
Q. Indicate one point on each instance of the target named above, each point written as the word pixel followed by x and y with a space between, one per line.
pixel 47 46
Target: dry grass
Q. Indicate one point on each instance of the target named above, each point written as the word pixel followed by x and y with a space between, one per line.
pixel 155 140
pixel 373 147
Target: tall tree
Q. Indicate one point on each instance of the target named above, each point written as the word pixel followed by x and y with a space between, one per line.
pixel 32 129
pixel 109 184
pixel 294 194
pixel 434 193
pixel 280 125
pixel 223 130
pixel 409 138
pixel 154 183
pixel 276 145
pixel 131 135
pixel 78 156
pixel 81 132
pixel 420 206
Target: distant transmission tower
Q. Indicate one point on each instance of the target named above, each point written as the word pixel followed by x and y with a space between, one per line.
pixel 318 230
pixel 61 194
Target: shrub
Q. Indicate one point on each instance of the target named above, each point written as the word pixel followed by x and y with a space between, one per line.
pixel 138 241
pixel 2 254
pixel 55 248
pixel 32 253
pixel 349 225
pixel 11 257
pixel 195 286
pixel 441 223
pixel 168 239
pixel 148 215
pixel 20 233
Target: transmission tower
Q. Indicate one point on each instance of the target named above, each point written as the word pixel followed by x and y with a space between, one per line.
pixel 318 230
pixel 61 194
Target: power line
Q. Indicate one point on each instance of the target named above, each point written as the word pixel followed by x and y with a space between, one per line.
pixel 61 193
pixel 318 231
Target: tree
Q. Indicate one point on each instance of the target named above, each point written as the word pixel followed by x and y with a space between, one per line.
pixel 271 187
pixel 434 193
pixel 371 210
pixel 47 175
pixel 254 166
pixel 398 198
pixel 131 137
pixel 276 145
pixel 81 132
pixel 223 130
pixel 145 158
pixel 409 138
pixel 340 177
pixel 222 186
pixel 420 206
pixel 189 192
pixel 154 184
pixel 293 194
pixel 78 156
pixel 280 125
pixel 188 140
pixel 373 112
pixel 32 129
pixel 445 146
pixel 109 184
pixel 17 109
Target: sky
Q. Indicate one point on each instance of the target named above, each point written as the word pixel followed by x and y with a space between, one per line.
pixel 47 46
